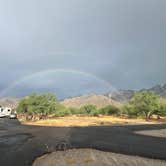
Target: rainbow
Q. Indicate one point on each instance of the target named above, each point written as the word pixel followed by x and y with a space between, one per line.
pixel 55 71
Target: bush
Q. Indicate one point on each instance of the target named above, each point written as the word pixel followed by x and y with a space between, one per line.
pixel 95 112
pixel 109 110
pixel 75 111
pixel 162 110
pixel 130 110
pixel 88 109
pixel 62 112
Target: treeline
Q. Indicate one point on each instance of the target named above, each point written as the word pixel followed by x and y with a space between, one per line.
pixel 46 104
pixel 143 104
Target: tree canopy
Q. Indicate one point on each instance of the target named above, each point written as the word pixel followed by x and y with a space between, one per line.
pixel 146 103
pixel 39 103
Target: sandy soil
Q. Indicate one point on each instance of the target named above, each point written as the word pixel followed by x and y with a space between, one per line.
pixel 87 121
pixel 90 157
pixel 155 133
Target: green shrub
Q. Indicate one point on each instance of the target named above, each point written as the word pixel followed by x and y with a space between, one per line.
pixel 109 110
pixel 94 112
pixel 162 110
pixel 88 109
pixel 130 110
pixel 75 111
pixel 62 112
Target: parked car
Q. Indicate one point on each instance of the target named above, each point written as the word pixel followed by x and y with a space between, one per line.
pixel 13 116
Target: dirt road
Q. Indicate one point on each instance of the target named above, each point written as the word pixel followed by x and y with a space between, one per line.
pixel 21 144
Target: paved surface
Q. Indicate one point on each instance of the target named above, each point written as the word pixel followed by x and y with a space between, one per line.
pixel 21 144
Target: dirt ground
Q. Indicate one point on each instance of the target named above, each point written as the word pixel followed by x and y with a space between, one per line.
pixel 91 157
pixel 88 121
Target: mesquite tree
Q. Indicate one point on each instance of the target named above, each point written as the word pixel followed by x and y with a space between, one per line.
pixel 146 103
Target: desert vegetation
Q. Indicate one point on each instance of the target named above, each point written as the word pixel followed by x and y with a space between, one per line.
pixel 144 104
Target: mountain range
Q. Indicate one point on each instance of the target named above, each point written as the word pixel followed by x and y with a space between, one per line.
pixel 125 95
pixel 100 100
pixel 11 102
pixel 94 99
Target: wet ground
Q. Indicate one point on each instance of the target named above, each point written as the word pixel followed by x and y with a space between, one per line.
pixel 21 144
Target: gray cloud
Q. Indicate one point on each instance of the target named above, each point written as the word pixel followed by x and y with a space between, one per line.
pixel 121 41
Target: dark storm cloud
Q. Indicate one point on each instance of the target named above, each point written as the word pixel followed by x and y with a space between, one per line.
pixel 120 41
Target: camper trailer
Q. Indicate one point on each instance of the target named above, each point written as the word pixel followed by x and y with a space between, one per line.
pixel 7 112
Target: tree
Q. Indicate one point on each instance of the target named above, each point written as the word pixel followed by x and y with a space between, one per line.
pixel 38 103
pixel 146 103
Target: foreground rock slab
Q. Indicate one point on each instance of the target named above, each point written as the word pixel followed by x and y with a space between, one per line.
pixel 91 157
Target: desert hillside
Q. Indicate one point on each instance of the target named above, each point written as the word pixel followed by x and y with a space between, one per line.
pixel 98 100
pixel 9 102
pixel 126 95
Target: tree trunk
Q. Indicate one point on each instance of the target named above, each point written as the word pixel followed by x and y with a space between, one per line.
pixel 148 115
pixel 147 118
pixel 158 117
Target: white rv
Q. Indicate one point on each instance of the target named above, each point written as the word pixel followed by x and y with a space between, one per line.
pixel 5 111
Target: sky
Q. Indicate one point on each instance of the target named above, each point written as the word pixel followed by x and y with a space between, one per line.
pixel 80 46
